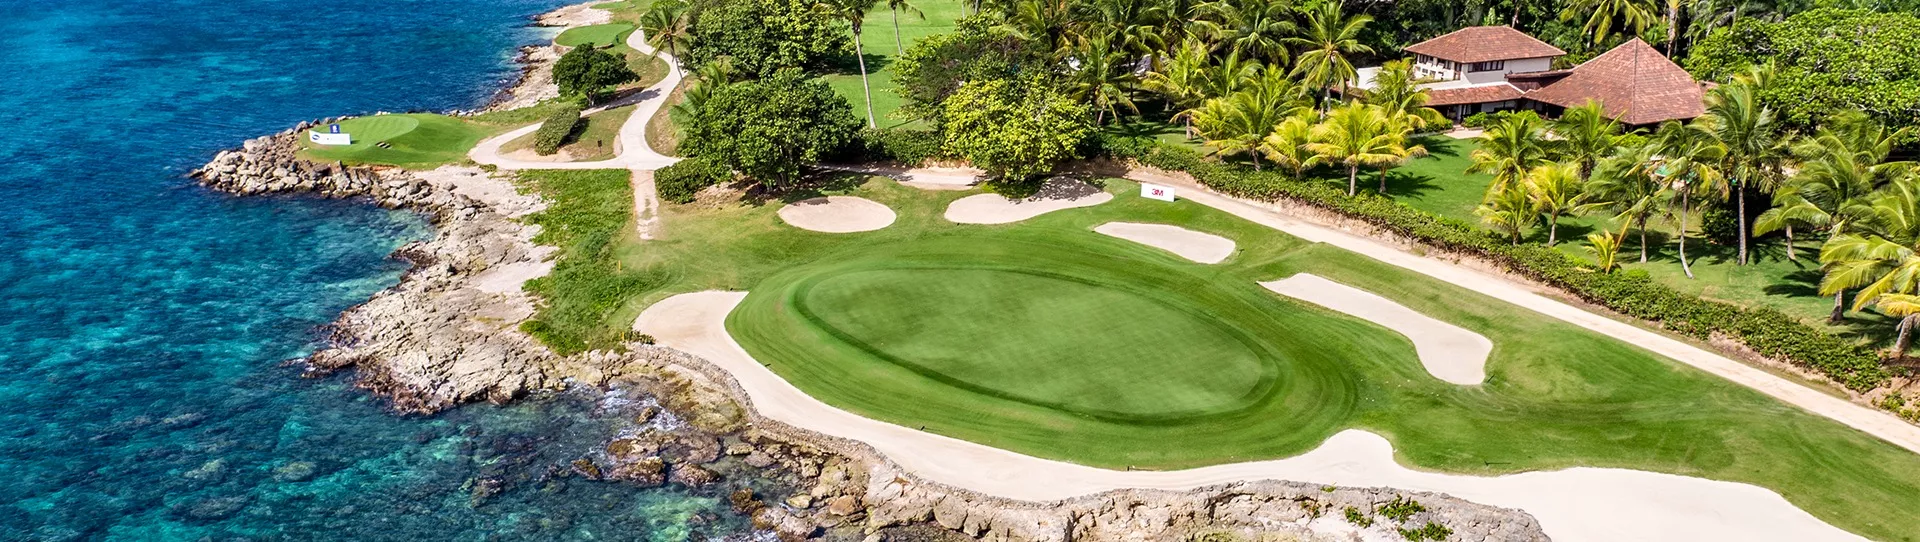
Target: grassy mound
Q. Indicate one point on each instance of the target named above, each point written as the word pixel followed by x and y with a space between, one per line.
pixel 417 140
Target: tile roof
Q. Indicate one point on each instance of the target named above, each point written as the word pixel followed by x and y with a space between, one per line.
pixel 1633 83
pixel 1473 95
pixel 1485 44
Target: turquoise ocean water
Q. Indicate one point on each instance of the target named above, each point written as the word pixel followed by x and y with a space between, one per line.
pixel 145 322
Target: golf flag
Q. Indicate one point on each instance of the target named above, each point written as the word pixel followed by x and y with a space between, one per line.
pixel 1154 191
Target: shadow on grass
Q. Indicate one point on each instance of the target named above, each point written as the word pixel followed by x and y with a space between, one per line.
pixel 1439 145
pixel 812 184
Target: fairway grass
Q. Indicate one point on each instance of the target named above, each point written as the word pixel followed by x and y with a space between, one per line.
pixel 877 41
pixel 1556 395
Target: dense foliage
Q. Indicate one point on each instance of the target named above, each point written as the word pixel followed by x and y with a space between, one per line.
pixel 770 128
pixel 555 130
pixel 1014 129
pixel 933 68
pixel 1767 331
pixel 587 72
pixel 1827 61
pixel 680 182
pixel 764 36
pixel 905 147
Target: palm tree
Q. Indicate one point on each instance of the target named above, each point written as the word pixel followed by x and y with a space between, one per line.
pixel 1233 72
pixel 1183 80
pixel 1790 208
pixel 1636 15
pixel 1328 37
pixel 1627 183
pixel 1688 164
pixel 1606 249
pixel 1354 135
pixel 1241 121
pixel 1880 257
pixel 1397 90
pixel 897 6
pixel 855 13
pixel 1400 130
pixel 1752 144
pixel 1509 211
pixel 667 25
pixel 1287 145
pixel 1555 189
pixel 1510 149
pixel 1586 135
pixel 1256 28
pixel 1104 78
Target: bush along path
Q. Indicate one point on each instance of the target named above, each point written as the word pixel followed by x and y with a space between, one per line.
pixel 631 151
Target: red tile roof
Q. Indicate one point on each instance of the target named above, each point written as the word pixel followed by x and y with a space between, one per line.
pixel 1473 95
pixel 1633 83
pixel 1485 44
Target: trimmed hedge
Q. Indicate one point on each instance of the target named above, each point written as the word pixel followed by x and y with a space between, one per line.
pixel 679 182
pixel 907 147
pixel 553 132
pixel 1767 331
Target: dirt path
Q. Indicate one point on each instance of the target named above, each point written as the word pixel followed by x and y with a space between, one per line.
pixel 1573 505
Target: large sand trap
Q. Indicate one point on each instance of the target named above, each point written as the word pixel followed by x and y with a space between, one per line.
pixel 837 214
pixel 1573 505
pixel 1058 194
pixel 1450 352
pixel 1197 246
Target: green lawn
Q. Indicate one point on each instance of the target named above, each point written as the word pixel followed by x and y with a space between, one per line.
pixel 415 140
pixel 599 35
pixel 590 143
pixel 877 36
pixel 1556 395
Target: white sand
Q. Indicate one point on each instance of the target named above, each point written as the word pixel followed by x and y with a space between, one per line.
pixel 1193 245
pixel 837 214
pixel 1573 505
pixel 1057 194
pixel 1449 352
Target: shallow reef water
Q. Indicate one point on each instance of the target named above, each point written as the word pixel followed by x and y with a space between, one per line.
pixel 145 322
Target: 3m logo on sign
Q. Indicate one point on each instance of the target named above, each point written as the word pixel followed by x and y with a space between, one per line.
pixel 1154 191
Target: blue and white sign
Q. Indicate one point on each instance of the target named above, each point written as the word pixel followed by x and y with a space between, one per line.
pixel 333 128
pixel 1154 191
pixel 335 138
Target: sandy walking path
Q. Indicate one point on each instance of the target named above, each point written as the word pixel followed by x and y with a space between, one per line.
pixel 1449 352
pixel 1193 245
pixel 1573 505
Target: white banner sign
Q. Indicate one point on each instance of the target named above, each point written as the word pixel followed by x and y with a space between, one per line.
pixel 329 139
pixel 1154 191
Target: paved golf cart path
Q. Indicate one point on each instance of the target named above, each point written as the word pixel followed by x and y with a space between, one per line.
pixel 631 151
pixel 1573 505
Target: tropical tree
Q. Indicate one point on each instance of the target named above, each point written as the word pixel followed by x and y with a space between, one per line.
pixel 1877 256
pixel 1287 145
pixel 1355 135
pixel 895 7
pixel 1327 38
pixel 1511 149
pixel 1510 211
pixel 1254 28
pixel 1014 130
pixel 1629 185
pixel 1601 15
pixel 1104 78
pixel 855 13
pixel 1183 81
pixel 1752 146
pixel 1555 189
pixel 1397 91
pixel 1586 136
pixel 1400 132
pixel 1240 122
pixel 667 24
pixel 771 128
pixel 1689 165
pixel 590 72
pixel 1232 73
pixel 1605 247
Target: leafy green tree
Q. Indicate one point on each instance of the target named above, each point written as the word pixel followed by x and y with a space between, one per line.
pixel 1253 28
pixel 1182 81
pixel 1689 164
pixel 588 72
pixel 1878 257
pixel 1509 211
pixel 1239 122
pixel 1287 145
pixel 1556 190
pixel 667 24
pixel 771 128
pixel 1014 130
pixel 1511 149
pixel 934 67
pixel 1828 61
pixel 1104 78
pixel 1355 135
pixel 1328 37
pixel 763 36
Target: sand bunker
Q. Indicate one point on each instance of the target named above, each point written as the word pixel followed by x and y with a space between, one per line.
pixel 837 214
pixel 1058 194
pixel 1573 505
pixel 1449 352
pixel 1197 246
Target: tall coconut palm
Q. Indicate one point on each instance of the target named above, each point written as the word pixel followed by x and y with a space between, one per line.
pixel 1510 149
pixel 895 7
pixel 1327 38
pixel 667 25
pixel 1878 255
pixel 1231 73
pixel 1354 135
pixel 1509 211
pixel 1104 77
pixel 1287 145
pixel 1601 15
pixel 1183 80
pixel 1628 185
pixel 1586 135
pixel 1689 165
pixel 1254 28
pixel 1753 145
pixel 1556 190
pixel 855 13
pixel 1397 90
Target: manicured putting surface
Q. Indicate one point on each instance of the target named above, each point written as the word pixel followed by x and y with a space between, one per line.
pixel 1044 339
pixel 367 131
pixel 600 35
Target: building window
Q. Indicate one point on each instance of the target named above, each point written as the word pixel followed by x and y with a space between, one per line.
pixel 1489 66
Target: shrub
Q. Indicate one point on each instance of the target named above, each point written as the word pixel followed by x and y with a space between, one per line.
pixel 1430 531
pixel 1767 331
pixel 907 147
pixel 1400 509
pixel 556 129
pixel 1477 120
pixel 1358 518
pixel 679 182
